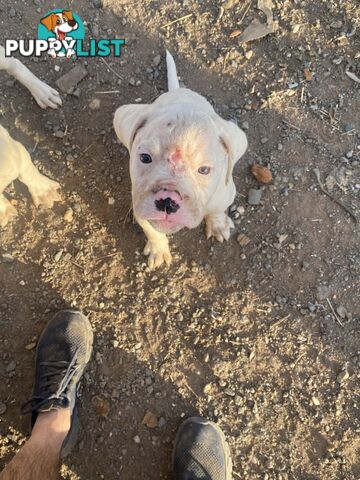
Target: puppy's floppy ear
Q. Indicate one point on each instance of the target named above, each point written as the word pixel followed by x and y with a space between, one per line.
pixel 128 120
pixel 49 21
pixel 68 14
pixel 235 143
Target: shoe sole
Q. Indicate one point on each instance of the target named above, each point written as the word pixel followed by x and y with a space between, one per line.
pixel 225 445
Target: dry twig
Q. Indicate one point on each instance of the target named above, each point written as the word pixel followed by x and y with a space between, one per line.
pixel 323 189
pixel 334 313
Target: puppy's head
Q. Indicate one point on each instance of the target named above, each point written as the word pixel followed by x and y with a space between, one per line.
pixel 60 23
pixel 179 161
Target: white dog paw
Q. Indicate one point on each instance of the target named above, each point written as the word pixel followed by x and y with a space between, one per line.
pixel 7 211
pixel 218 226
pixel 44 95
pixel 158 253
pixel 45 192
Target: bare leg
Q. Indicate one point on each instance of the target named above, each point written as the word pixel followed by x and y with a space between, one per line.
pixel 39 457
pixel 44 95
pixel 157 246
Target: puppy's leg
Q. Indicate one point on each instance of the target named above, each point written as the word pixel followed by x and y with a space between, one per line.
pixel 218 225
pixel 157 247
pixel 9 171
pixel 7 211
pixel 44 95
pixel 43 190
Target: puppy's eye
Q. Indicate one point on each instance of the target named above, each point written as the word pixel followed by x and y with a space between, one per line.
pixel 204 170
pixel 58 21
pixel 145 158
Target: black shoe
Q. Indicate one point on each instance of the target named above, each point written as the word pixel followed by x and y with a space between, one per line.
pixel 201 452
pixel 62 354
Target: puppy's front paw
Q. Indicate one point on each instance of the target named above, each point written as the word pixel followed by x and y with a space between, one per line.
pixel 218 225
pixel 158 252
pixel 44 95
pixel 45 192
pixel 7 211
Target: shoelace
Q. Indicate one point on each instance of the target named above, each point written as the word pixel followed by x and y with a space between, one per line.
pixel 52 370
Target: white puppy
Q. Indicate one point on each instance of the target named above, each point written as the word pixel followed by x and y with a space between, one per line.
pixel 182 156
pixel 15 161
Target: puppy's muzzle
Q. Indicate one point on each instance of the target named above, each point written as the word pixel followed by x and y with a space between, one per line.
pixel 167 205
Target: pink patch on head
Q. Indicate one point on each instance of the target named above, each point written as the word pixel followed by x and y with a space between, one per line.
pixel 175 156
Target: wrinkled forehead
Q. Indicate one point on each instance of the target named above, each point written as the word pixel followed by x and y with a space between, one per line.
pixel 193 140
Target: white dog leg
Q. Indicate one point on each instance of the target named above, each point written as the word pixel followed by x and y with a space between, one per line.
pixel 218 225
pixel 43 190
pixel 157 247
pixel 7 211
pixel 44 95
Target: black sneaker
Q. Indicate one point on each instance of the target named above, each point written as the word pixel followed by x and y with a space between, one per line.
pixel 62 354
pixel 201 452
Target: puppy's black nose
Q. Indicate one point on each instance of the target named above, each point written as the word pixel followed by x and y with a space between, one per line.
pixel 72 23
pixel 167 205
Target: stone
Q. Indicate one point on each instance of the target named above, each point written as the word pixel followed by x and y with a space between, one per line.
pixel 254 196
pixel 3 408
pixel 157 60
pixel 69 81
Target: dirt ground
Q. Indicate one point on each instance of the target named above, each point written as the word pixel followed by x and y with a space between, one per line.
pixel 262 338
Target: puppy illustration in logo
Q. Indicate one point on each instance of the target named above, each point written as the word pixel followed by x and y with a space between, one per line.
pixel 61 24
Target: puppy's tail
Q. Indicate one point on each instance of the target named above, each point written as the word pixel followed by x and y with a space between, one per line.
pixel 173 82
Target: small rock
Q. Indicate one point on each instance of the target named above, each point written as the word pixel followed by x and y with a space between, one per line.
pixel 11 366
pixel 341 311
pixel 249 54
pixel 69 215
pixel 94 104
pixel 245 125
pixel 69 81
pixel 161 422
pixel 7 258
pixel 137 439
pixel 150 420
pixel 97 3
pixel 254 196
pixel 296 28
pixel 111 201
pixel 261 173
pixel 207 389
pixel 58 255
pixel 343 376
pixel 243 240
pixel 30 346
pixel 241 210
pixel 348 127
pixel 102 406
pixel 3 408
pixel 12 12
pixel 315 401
pixel 57 68
pixel 229 392
pixel 157 60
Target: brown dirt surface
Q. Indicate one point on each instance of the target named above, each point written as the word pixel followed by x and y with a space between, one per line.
pixel 244 334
